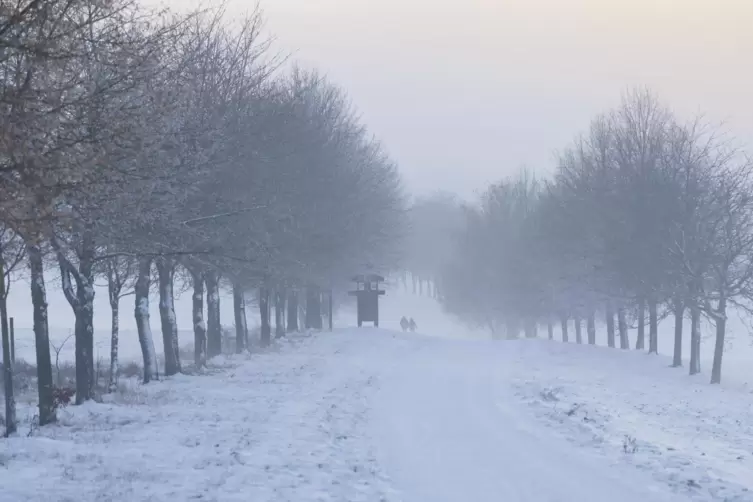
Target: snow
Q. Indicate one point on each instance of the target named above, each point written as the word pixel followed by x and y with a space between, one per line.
pixel 375 415
pixel 379 415
pixel 540 421
pixel 692 435
pixel 281 426
pixel 468 440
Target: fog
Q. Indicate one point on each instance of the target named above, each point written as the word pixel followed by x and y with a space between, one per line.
pixel 464 92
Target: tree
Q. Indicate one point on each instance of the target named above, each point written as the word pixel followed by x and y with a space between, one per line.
pixel 134 139
pixel 644 213
pixel 166 273
pixel 433 221
pixel 41 335
pixel 120 273
pixel 141 312
pixel 241 328
pixel 12 251
pixel 199 326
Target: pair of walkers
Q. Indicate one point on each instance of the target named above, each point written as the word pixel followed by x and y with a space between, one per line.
pixel 408 324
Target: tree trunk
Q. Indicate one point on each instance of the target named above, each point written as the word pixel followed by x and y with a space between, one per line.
pixel 141 312
pixel 493 330
pixel 720 319
pixel 41 337
pixel 679 309
pixel 84 372
pixel 12 341
pixel 114 334
pixel 622 325
pixel 653 328
pixel 330 310
pixel 241 327
pixel 266 330
pixel 86 301
pixel 280 313
pixel 292 311
pixel 165 275
pixel 10 399
pixel 302 313
pixel 563 327
pixel 313 308
pixel 114 290
pixel 81 300
pixel 530 329
pixel 578 330
pixel 550 328
pixel 214 325
pixel 591 328
pixel 695 340
pixel 512 328
pixel 85 320
pixel 610 325
pixel 640 342
pixel 199 327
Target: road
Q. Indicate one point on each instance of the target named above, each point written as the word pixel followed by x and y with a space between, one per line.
pixel 449 429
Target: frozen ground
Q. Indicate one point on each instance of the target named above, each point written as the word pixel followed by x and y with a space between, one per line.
pixel 288 424
pixel 374 415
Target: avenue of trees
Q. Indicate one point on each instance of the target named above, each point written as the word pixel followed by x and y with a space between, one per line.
pixel 646 217
pixel 148 149
pixel 433 222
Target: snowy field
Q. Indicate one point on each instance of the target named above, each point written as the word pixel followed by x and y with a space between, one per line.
pixel 374 415
pixel 378 415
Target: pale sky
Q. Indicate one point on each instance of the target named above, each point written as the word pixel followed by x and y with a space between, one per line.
pixel 463 92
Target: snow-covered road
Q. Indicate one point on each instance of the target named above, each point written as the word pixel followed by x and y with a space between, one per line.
pixel 370 415
pixel 453 430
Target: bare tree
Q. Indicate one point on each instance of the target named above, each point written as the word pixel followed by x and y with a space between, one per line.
pixel 199 326
pixel 731 273
pixel 292 316
pixel 141 312
pixel 264 310
pixel 214 327
pixel 12 251
pixel 120 272
pixel 41 335
pixel 239 308
pixel 166 273
pixel 280 298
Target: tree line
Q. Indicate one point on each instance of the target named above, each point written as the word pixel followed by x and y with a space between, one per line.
pixel 433 222
pixel 646 217
pixel 148 148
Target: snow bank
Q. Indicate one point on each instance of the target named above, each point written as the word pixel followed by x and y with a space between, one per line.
pixel 637 410
pixel 283 425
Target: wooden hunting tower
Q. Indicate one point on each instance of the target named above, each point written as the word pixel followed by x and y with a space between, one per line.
pixel 367 295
